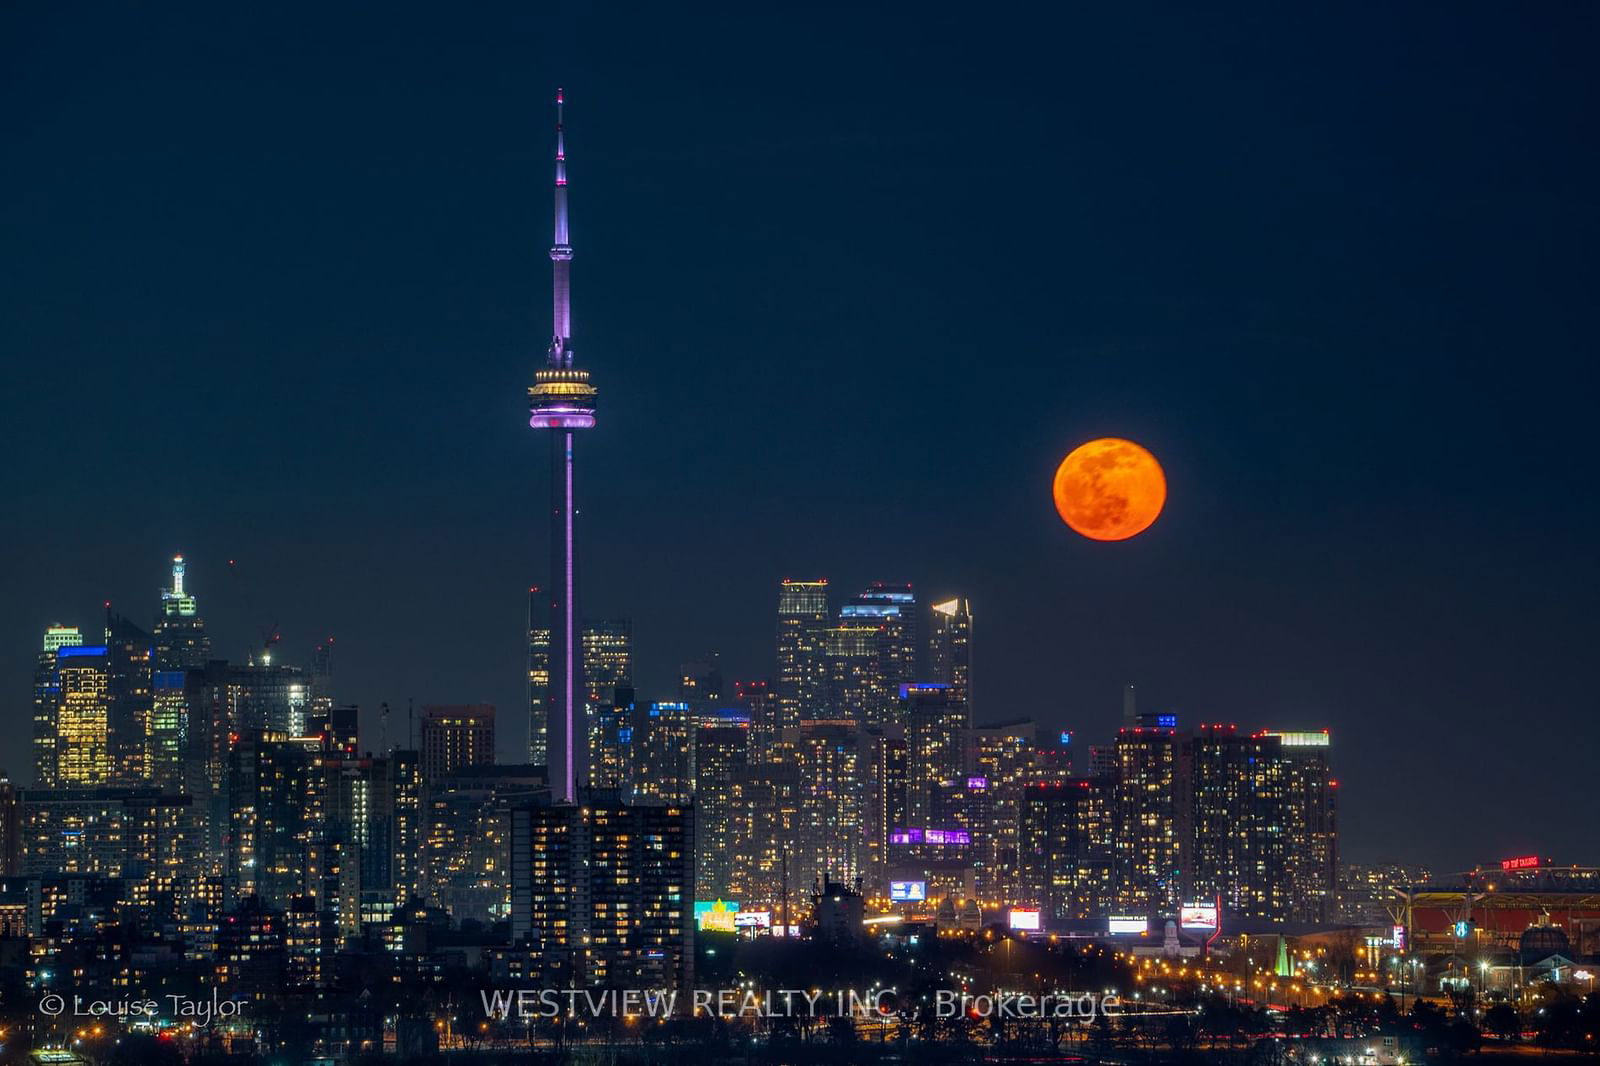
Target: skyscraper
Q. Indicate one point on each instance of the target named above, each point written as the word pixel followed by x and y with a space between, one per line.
pixel 950 648
pixel 1146 814
pixel 453 737
pixel 802 664
pixel 538 676
pixel 562 400
pixel 83 737
pixel 180 636
pixel 130 653
pixel 47 702
pixel 936 725
pixel 891 609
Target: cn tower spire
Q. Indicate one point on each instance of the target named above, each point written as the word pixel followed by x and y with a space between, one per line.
pixel 561 251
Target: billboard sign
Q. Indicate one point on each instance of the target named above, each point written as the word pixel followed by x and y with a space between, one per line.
pixel 1124 925
pixel 908 891
pixel 1025 918
pixel 715 916
pixel 752 920
pixel 1198 916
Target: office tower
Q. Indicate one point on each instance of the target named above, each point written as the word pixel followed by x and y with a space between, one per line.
pixel 936 730
pixel 700 682
pixel 538 675
pixel 1065 847
pixel 601 891
pixel 169 728
pixel 562 400
pixel 179 635
pixel 1309 822
pixel 607 666
pixel 853 687
pixel 83 739
pixel 886 782
pixel 47 702
pixel 950 648
pixel 1003 757
pixel 1146 815
pixel 891 609
pixel 130 654
pixel 721 756
pixel 612 737
pixel 664 753
pixel 831 778
pixel 802 666
pixel 759 703
pixel 456 736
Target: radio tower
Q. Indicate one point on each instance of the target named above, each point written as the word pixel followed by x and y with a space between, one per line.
pixel 562 400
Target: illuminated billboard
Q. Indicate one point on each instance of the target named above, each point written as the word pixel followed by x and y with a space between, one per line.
pixel 1521 862
pixel 1026 918
pixel 752 920
pixel 715 917
pixel 1198 916
pixel 1126 926
pixel 908 891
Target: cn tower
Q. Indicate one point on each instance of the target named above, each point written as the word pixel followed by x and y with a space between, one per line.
pixel 561 401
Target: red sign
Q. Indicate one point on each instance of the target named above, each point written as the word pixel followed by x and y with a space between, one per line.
pixel 1525 862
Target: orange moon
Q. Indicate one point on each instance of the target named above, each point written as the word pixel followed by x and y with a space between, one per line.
pixel 1109 489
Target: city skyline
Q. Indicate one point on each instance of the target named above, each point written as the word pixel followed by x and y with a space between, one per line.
pixel 1301 577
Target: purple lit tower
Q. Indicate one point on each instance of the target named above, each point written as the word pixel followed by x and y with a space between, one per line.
pixel 562 400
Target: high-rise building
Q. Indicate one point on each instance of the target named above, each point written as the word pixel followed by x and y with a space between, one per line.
pixel 1146 814
pixel 802 665
pixel 950 648
pixel 1003 758
pixel 83 716
pixel 721 758
pixel 456 736
pixel 275 813
pixel 601 891
pixel 1219 786
pixel 10 827
pixel 607 666
pixel 891 609
pixel 611 733
pixel 766 810
pixel 47 702
pixel 700 682
pixel 760 704
pixel 663 740
pixel 1065 852
pixel 937 724
pixel 853 686
pixel 886 782
pixel 130 656
pixel 538 676
pixel 1309 822
pixel 831 776
pixel 180 638
pixel 562 400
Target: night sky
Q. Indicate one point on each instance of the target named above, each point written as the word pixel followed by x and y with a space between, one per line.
pixel 273 283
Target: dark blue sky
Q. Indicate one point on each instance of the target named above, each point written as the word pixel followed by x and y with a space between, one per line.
pixel 273 283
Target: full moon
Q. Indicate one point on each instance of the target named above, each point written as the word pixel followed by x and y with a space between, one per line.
pixel 1109 489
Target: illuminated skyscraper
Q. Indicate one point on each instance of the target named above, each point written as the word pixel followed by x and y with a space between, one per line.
pixel 950 648
pixel 562 401
pixel 130 655
pixel 1309 822
pixel 47 702
pixel 1146 815
pixel 454 737
pixel 853 686
pixel 721 755
pixel 1065 847
pixel 802 663
pixel 607 667
pixel 759 703
pixel 1003 755
pixel 83 736
pixel 885 800
pixel 538 676
pixel 891 609
pixel 179 635
pixel 831 778
pixel 936 729
pixel 663 740
pixel 612 743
